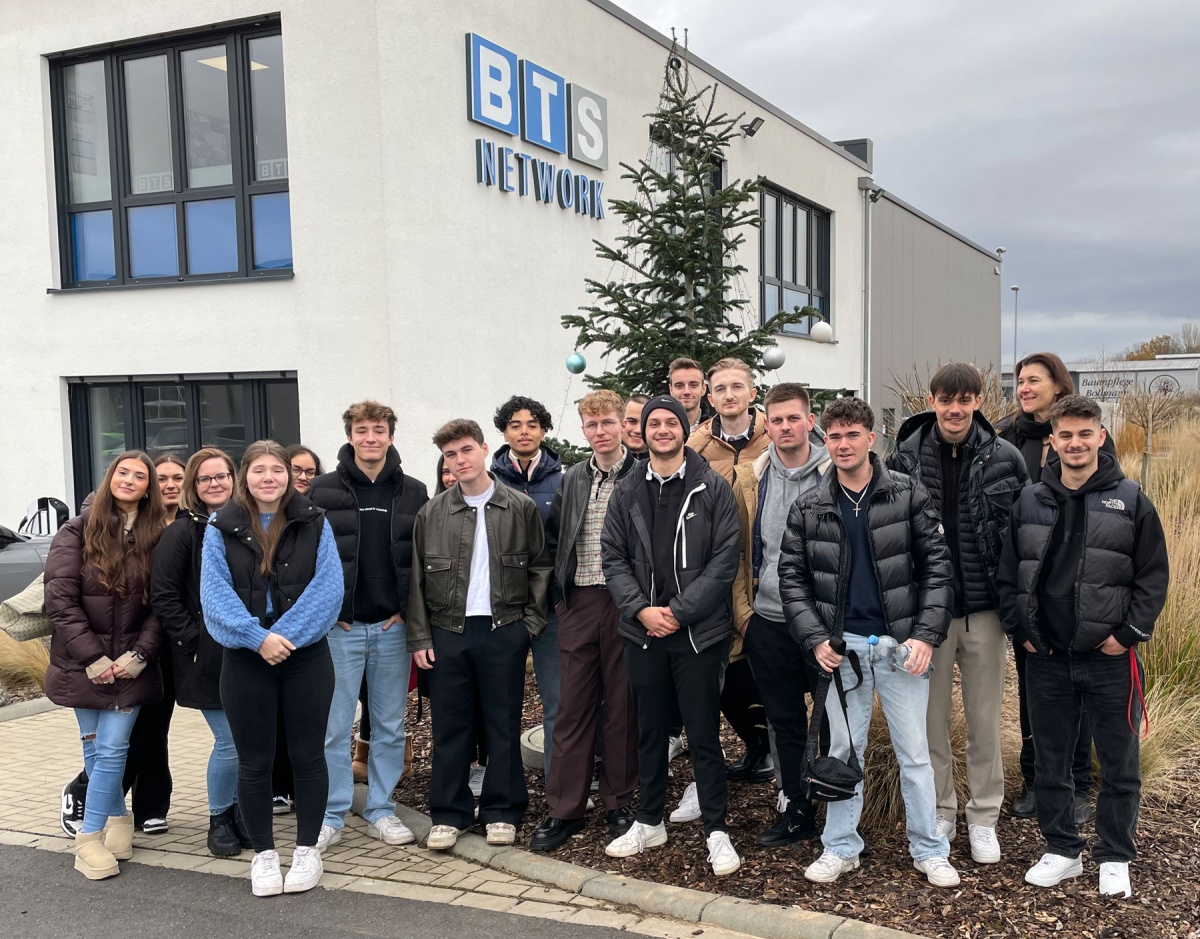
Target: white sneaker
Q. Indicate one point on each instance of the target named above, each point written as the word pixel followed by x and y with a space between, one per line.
pixel 280 805
pixel 1052 870
pixel 1114 879
pixel 591 803
pixel 829 867
pixel 639 837
pixel 688 809
pixel 781 802
pixel 674 748
pixel 390 830
pixel 305 871
pixel 946 826
pixel 475 780
pixel 938 871
pixel 721 855
pixel 985 846
pixel 442 837
pixel 328 837
pixel 266 880
pixel 501 833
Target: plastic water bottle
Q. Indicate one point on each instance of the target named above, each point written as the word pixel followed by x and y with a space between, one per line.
pixel 896 653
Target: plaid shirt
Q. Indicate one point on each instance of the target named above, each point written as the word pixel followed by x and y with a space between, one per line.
pixel 588 570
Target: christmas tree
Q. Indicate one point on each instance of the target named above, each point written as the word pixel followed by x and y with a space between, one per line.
pixel 679 288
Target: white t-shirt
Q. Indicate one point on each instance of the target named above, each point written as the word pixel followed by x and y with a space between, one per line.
pixel 479 587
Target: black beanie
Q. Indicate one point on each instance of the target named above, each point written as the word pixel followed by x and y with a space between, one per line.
pixel 670 404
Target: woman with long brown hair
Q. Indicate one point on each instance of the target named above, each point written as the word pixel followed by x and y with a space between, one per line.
pixel 170 469
pixel 105 643
pixel 271 587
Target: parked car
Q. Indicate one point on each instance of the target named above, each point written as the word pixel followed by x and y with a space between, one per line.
pixel 22 558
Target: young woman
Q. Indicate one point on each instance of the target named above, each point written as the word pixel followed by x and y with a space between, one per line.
pixel 105 643
pixel 271 588
pixel 175 597
pixel 169 470
pixel 306 466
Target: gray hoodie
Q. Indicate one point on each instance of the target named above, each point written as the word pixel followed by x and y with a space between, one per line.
pixel 784 486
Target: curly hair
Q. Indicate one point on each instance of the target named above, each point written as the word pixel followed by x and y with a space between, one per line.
pixel 517 403
pixel 848 411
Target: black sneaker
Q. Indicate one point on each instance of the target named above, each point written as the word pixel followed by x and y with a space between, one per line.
pixel 789 828
pixel 154 826
pixel 281 805
pixel 74 795
pixel 619 821
pixel 1024 805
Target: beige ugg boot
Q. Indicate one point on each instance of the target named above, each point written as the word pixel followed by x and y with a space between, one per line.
pixel 358 763
pixel 93 859
pixel 118 837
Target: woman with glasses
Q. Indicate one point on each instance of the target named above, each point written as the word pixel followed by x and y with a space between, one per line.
pixel 306 466
pixel 105 645
pixel 175 596
pixel 271 586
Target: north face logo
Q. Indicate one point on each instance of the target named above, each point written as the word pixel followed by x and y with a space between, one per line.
pixel 1115 504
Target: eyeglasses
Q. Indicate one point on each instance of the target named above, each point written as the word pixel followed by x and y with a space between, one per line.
pixel 209 480
pixel 306 473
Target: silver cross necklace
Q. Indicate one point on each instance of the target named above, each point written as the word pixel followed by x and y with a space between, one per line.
pixel 857 502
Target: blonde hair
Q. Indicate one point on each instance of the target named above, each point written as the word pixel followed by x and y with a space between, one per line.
pixel 601 402
pixel 722 364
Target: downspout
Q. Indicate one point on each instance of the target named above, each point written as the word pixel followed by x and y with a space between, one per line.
pixel 866 186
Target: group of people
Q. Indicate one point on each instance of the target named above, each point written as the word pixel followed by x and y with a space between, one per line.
pixel 689 568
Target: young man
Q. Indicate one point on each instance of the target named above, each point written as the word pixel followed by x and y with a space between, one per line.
pixel 670 553
pixel 480 577
pixel 589 644
pixel 524 463
pixel 1083 578
pixel 764 491
pixel 973 478
pixel 631 426
pixel 685 383
pixel 865 571
pixel 371 505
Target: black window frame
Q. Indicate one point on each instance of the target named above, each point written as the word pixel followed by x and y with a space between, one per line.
pixel 817 239
pixel 243 188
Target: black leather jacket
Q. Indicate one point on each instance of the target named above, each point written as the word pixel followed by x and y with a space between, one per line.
pixel 443 541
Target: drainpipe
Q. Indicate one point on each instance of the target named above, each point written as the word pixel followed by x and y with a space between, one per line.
pixel 870 193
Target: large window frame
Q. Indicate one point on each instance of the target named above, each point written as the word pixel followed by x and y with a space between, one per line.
pixel 242 188
pixel 778 209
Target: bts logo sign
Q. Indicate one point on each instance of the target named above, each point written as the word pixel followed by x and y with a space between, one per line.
pixel 519 97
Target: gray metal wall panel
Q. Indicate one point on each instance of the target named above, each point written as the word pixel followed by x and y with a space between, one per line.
pixel 934 299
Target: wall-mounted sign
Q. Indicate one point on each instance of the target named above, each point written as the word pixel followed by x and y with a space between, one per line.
pixel 521 98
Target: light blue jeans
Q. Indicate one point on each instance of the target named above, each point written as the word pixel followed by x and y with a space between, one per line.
pixel 222 764
pixel 383 656
pixel 904 699
pixel 105 737
pixel 547 671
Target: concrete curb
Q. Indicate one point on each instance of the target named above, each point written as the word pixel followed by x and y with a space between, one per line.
pixel 14 712
pixel 752 917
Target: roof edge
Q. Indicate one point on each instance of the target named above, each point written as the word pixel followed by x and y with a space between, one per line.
pixel 896 200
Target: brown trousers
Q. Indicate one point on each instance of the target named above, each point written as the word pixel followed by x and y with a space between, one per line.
pixel 592 665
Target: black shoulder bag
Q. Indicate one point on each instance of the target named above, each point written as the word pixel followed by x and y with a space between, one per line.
pixel 825 778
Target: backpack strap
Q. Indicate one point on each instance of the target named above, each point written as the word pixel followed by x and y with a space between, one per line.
pixel 818 711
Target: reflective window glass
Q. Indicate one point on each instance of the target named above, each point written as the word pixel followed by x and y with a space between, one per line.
pixel 272 231
pixel 152 247
pixel 770 301
pixel 86 110
pixel 283 412
pixel 770 211
pixel 789 246
pixel 93 254
pixel 211 236
pixel 107 410
pixel 148 110
pixel 223 417
pixel 165 413
pixel 206 116
pixel 267 108
pixel 801 247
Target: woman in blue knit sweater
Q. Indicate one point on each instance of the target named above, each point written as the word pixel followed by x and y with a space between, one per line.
pixel 271 588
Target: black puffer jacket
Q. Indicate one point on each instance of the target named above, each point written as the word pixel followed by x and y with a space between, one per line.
pixel 707 550
pixel 175 599
pixel 334 492
pixel 993 474
pixel 911 560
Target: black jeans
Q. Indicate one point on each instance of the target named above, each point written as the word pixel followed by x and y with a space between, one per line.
pixel 491 662
pixel 1081 764
pixel 668 670
pixel 1059 687
pixel 147 767
pixel 742 705
pixel 784 675
pixel 255 694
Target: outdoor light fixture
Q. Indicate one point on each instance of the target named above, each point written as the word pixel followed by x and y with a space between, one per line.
pixel 749 130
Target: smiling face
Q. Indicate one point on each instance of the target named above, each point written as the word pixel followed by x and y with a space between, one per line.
pixel 524 434
pixel 687 387
pixel 955 414
pixel 1077 441
pixel 214 483
pixel 849 446
pixel 170 483
pixel 370 440
pixel 304 468
pixel 631 427
pixel 664 434
pixel 466 458
pixel 730 393
pixel 448 479
pixel 267 481
pixel 129 483
pixel 1036 390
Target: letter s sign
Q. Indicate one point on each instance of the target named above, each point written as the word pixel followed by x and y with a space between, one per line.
pixel 588 135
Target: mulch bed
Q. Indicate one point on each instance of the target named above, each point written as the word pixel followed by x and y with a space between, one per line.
pixel 992 901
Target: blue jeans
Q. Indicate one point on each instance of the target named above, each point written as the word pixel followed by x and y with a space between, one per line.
pixel 546 671
pixel 383 656
pixel 105 736
pixel 904 700
pixel 222 764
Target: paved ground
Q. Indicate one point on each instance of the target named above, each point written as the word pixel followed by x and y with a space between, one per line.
pixel 42 752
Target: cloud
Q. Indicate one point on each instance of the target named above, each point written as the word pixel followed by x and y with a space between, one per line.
pixel 1065 132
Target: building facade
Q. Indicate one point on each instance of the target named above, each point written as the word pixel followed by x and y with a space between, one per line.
pixel 223 232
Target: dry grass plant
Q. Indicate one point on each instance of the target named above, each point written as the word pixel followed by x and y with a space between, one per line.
pixel 22 663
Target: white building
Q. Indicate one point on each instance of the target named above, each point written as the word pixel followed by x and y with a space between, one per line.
pixel 216 233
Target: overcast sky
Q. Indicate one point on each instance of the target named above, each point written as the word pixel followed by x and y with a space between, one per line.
pixel 1068 133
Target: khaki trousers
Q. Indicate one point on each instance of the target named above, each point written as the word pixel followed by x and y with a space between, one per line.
pixel 980 652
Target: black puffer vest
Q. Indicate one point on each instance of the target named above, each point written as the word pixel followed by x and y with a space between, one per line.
pixel 1103 592
pixel 294 564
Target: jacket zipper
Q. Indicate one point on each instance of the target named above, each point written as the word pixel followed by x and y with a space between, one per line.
pixel 680 527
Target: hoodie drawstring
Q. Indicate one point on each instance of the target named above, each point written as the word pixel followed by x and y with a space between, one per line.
pixel 1135 684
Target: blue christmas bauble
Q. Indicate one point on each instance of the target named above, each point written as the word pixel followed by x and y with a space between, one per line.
pixel 576 363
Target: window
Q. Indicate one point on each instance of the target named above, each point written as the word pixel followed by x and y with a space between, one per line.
pixel 794 270
pixel 176 416
pixel 172 160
